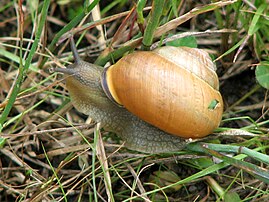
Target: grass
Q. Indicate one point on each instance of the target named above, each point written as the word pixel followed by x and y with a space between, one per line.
pixel 51 152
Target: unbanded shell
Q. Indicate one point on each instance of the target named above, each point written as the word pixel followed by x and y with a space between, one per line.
pixel 170 88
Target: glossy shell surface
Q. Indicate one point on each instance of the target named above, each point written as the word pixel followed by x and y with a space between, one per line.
pixel 172 88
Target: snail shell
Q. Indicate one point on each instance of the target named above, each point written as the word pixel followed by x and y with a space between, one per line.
pixel 172 88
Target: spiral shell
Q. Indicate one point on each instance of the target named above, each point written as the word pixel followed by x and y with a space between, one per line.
pixel 172 88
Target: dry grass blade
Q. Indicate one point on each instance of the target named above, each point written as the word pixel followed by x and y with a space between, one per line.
pixel 48 153
pixel 194 12
pixel 101 155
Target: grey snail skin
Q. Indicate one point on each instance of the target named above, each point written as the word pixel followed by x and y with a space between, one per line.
pixel 153 100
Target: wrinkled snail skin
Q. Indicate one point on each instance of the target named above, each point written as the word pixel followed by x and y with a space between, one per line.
pixel 166 91
pixel 84 86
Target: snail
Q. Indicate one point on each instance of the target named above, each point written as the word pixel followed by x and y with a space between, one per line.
pixel 153 100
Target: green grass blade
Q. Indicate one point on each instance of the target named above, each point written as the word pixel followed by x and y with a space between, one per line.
pixel 95 141
pixel 254 25
pixel 15 58
pixel 230 149
pixel 24 68
pixel 140 6
pixel 257 171
pixel 69 26
pixel 153 22
pixel 55 173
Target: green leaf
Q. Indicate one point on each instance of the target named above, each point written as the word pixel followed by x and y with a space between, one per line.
pixel 232 197
pixel 29 172
pixel 202 162
pixel 165 178
pixel 262 75
pixel 213 104
pixel 189 41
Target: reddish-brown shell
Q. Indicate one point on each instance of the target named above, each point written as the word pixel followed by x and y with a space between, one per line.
pixel 174 89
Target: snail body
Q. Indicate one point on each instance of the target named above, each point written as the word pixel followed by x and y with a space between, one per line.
pixel 88 97
pixel 138 85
